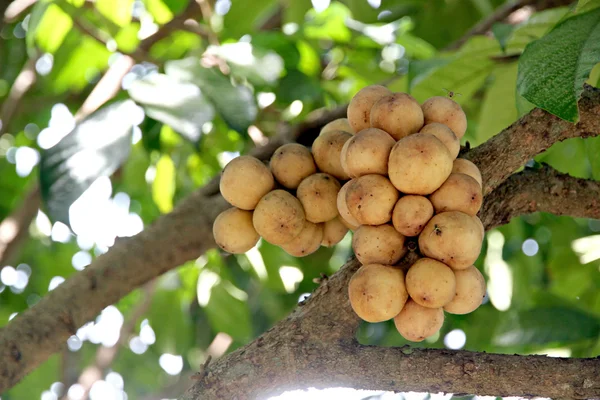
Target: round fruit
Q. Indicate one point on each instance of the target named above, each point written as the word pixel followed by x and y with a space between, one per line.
pixel 333 232
pixel 367 153
pixel 291 163
pixel 307 242
pixel 416 323
pixel 327 149
pixel 340 124
pixel 470 291
pixel 377 292
pixel 318 195
pixel 411 213
pixel 460 192
pixel 480 225
pixel 430 283
pixel 464 166
pixel 453 238
pixel 445 135
pixel 380 244
pixel 233 231
pixel 359 109
pixel 371 199
pixel 419 164
pixel 342 206
pixel 445 111
pixel 278 217
pixel 343 157
pixel 245 181
pixel 399 114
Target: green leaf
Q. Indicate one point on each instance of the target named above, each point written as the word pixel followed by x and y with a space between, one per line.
pixel 592 146
pixel 118 11
pixel 246 16
pixel 182 106
pixel 329 24
pixel 96 147
pixel 552 70
pixel 546 325
pixel 502 33
pixel 236 104
pixel 163 187
pixel 587 5
pixel 48 26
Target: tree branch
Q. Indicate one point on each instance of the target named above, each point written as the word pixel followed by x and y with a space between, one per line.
pixel 23 82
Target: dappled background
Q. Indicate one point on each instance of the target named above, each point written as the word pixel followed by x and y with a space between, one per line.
pixel 196 85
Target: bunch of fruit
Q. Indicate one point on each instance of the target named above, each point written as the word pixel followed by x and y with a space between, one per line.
pixel 388 172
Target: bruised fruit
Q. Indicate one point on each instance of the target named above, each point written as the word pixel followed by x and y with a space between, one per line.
pixel 470 290
pixel 464 166
pixel 430 283
pixel 460 192
pixel 279 217
pixel 234 232
pixel 327 149
pixel 419 164
pixel 333 232
pixel 445 135
pixel 367 152
pixel 291 163
pixel 307 242
pixel 416 323
pixel 380 244
pixel 371 199
pixel 340 124
pixel 377 292
pixel 359 109
pixel 411 213
pixel 399 114
pixel 318 195
pixel 347 217
pixel 245 181
pixel 445 111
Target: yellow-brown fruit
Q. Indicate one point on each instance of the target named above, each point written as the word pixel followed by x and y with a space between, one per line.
pixel 342 206
pixel 371 199
pixel 318 195
pixel 333 232
pixel 399 114
pixel 377 292
pixel 340 124
pixel 307 242
pixel 460 192
pixel 470 291
pixel 343 157
pixel 411 213
pixel 380 244
pixel 445 111
pixel 367 152
pixel 445 135
pixel 291 163
pixel 464 166
pixel 416 323
pixel 453 238
pixel 327 150
pixel 359 109
pixel 419 164
pixel 245 180
pixel 480 225
pixel 430 283
pixel 233 231
pixel 278 217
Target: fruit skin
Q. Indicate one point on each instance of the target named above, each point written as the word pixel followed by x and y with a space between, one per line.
pixel 470 290
pixel 347 218
pixel 291 163
pixel 318 195
pixel 377 292
pixel 419 164
pixel 234 232
pixel 445 135
pixel 340 124
pixel 245 180
pixel 411 213
pixel 333 232
pixel 380 244
pixel 445 111
pixel 359 109
pixel 453 238
pixel 367 152
pixel 278 217
pixel 307 242
pixel 371 199
pixel 327 149
pixel 399 114
pixel 460 192
pixel 480 225
pixel 464 166
pixel 416 323
pixel 430 283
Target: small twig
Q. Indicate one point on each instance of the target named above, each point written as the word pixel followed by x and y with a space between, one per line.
pixel 202 370
pixel 16 9
pixel 23 82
